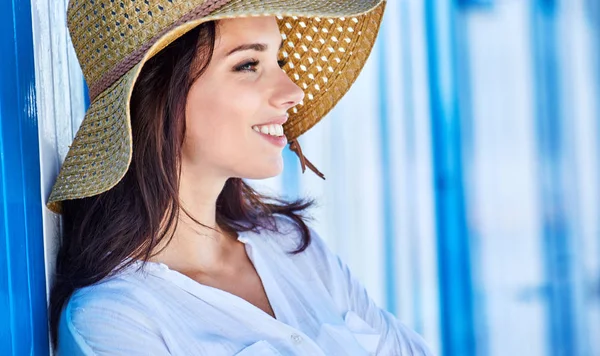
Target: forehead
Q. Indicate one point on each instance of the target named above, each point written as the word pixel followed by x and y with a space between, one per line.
pixel 232 32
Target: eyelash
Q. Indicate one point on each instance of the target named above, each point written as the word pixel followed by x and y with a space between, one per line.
pixel 253 63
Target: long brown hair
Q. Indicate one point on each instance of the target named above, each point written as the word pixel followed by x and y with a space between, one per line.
pixel 132 218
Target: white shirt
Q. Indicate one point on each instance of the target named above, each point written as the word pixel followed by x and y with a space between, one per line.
pixel 321 309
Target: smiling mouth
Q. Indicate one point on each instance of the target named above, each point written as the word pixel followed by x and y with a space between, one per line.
pixel 277 137
pixel 275 130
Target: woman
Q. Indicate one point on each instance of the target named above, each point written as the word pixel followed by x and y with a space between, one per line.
pixel 165 249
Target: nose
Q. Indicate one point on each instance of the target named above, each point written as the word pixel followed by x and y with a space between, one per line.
pixel 286 94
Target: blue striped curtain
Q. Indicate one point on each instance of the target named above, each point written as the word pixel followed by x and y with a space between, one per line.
pixel 462 175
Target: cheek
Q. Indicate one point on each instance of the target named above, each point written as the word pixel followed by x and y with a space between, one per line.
pixel 218 121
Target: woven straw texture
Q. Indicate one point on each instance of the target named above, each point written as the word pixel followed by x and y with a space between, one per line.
pixel 326 42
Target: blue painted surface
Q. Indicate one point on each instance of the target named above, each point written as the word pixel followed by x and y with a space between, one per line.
pixel 551 147
pixel 389 234
pixel 23 316
pixel 454 263
pixel 86 95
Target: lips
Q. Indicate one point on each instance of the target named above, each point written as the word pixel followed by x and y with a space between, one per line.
pixel 279 141
pixel 278 120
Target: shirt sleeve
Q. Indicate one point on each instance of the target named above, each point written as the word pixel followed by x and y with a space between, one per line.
pixel 396 338
pixel 99 324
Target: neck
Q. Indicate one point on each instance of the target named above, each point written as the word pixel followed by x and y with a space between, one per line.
pixel 205 247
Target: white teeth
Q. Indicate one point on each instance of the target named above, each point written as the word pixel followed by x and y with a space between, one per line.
pixel 273 130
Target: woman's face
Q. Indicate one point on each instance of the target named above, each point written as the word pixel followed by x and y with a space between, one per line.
pixel 234 111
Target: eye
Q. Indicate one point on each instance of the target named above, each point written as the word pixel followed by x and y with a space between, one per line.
pixel 249 66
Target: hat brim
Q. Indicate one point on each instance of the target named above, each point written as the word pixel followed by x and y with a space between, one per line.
pixel 328 43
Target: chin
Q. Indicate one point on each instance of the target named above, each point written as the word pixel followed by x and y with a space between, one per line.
pixel 262 172
pixel 260 169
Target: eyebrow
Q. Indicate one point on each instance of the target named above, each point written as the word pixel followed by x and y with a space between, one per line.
pixel 259 47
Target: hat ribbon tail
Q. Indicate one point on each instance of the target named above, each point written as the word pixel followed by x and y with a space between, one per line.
pixel 304 162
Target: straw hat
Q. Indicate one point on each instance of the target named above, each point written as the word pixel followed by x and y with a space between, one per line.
pixel 326 42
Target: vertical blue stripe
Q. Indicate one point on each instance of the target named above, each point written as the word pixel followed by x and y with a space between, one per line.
pixel 386 174
pixel 593 11
pixel 551 148
pixel 7 337
pixel 409 144
pixel 465 96
pixel 23 314
pixel 86 95
pixel 454 260
pixel 594 14
pixel 291 174
pixel 479 3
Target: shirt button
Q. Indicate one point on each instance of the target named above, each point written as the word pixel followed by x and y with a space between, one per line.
pixel 296 338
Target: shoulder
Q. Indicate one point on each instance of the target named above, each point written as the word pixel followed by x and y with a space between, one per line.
pixel 286 237
pixel 122 298
pixel 285 233
pixel 115 316
pixel 127 285
pixel 112 292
